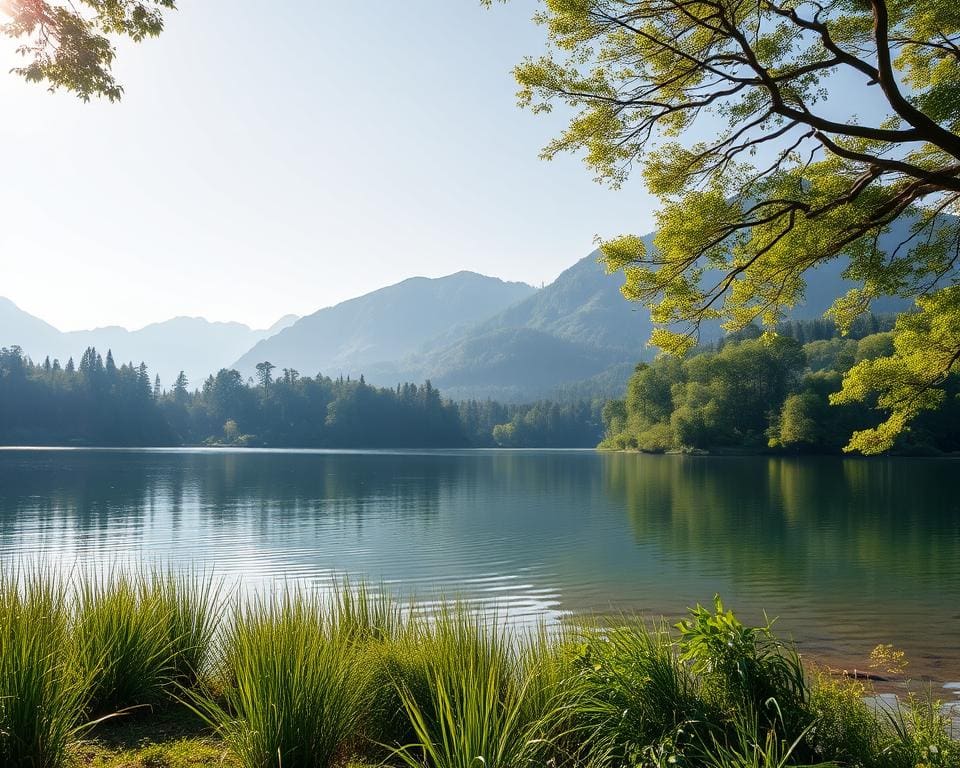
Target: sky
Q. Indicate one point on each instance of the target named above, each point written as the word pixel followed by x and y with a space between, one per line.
pixel 278 158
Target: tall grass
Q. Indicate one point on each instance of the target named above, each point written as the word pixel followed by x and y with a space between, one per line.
pixel 637 697
pixel 363 615
pixel 295 681
pixel 480 703
pixel 42 693
pixel 122 641
pixel 190 608
pixel 292 689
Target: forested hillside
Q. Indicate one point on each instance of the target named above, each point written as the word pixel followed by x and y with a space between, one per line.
pixel 748 393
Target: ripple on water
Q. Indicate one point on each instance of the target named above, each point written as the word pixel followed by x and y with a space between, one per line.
pixel 848 554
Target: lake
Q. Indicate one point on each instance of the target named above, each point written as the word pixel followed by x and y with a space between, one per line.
pixel 849 552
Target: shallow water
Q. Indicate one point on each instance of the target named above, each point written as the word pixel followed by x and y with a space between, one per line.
pixel 849 552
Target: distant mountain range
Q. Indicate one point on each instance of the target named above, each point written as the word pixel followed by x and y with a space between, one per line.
pixel 573 329
pixel 387 324
pixel 189 344
pixel 471 335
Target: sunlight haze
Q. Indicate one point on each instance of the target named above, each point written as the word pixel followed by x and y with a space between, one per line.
pixel 265 163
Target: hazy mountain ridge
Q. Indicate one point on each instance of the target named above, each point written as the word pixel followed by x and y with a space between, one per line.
pixel 191 344
pixel 589 337
pixel 387 324
pixel 473 336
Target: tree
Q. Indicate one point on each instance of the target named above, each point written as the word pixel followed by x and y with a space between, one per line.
pixel 231 431
pixel 180 388
pixel 798 424
pixel 265 374
pixel 71 45
pixel 743 117
pixel 926 350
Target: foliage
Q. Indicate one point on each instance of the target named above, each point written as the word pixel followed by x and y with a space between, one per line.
pixel 299 680
pixel 638 699
pixel 550 425
pixel 71 45
pixel 102 404
pixel 747 669
pixel 778 136
pixel 926 348
pixel 96 401
pixel 751 393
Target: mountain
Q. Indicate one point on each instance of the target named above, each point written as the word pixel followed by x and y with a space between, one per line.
pixel 579 337
pixel 574 329
pixel 471 335
pixel 387 324
pixel 23 329
pixel 189 344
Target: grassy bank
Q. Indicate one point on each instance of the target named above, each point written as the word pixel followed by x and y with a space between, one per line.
pixel 158 671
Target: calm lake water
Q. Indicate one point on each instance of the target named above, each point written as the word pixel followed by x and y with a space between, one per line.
pixel 850 553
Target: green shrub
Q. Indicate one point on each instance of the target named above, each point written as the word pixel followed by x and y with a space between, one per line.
pixel 922 735
pixel 746 669
pixel 845 727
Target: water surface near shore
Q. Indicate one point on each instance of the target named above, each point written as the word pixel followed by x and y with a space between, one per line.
pixel 848 553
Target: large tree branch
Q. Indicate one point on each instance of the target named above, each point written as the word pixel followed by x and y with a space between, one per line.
pixel 931 131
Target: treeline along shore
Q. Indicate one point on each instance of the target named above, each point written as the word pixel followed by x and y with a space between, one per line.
pixel 744 393
pixel 98 402
pixel 293 679
pixel 753 394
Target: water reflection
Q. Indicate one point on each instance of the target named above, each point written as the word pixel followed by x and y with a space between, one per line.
pixel 849 552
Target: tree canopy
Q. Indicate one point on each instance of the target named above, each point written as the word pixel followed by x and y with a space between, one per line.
pixel 750 393
pixel 100 403
pixel 778 135
pixel 71 44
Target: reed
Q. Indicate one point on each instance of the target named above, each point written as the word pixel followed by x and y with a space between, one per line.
pixel 189 609
pixel 482 703
pixel 122 641
pixel 291 686
pixel 42 693
pixel 295 681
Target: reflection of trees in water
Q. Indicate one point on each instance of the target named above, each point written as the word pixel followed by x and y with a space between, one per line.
pixel 94 495
pixel 813 519
pixel 557 474
pixel 83 492
pixel 266 487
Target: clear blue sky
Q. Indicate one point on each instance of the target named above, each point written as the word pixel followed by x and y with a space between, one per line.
pixel 280 157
